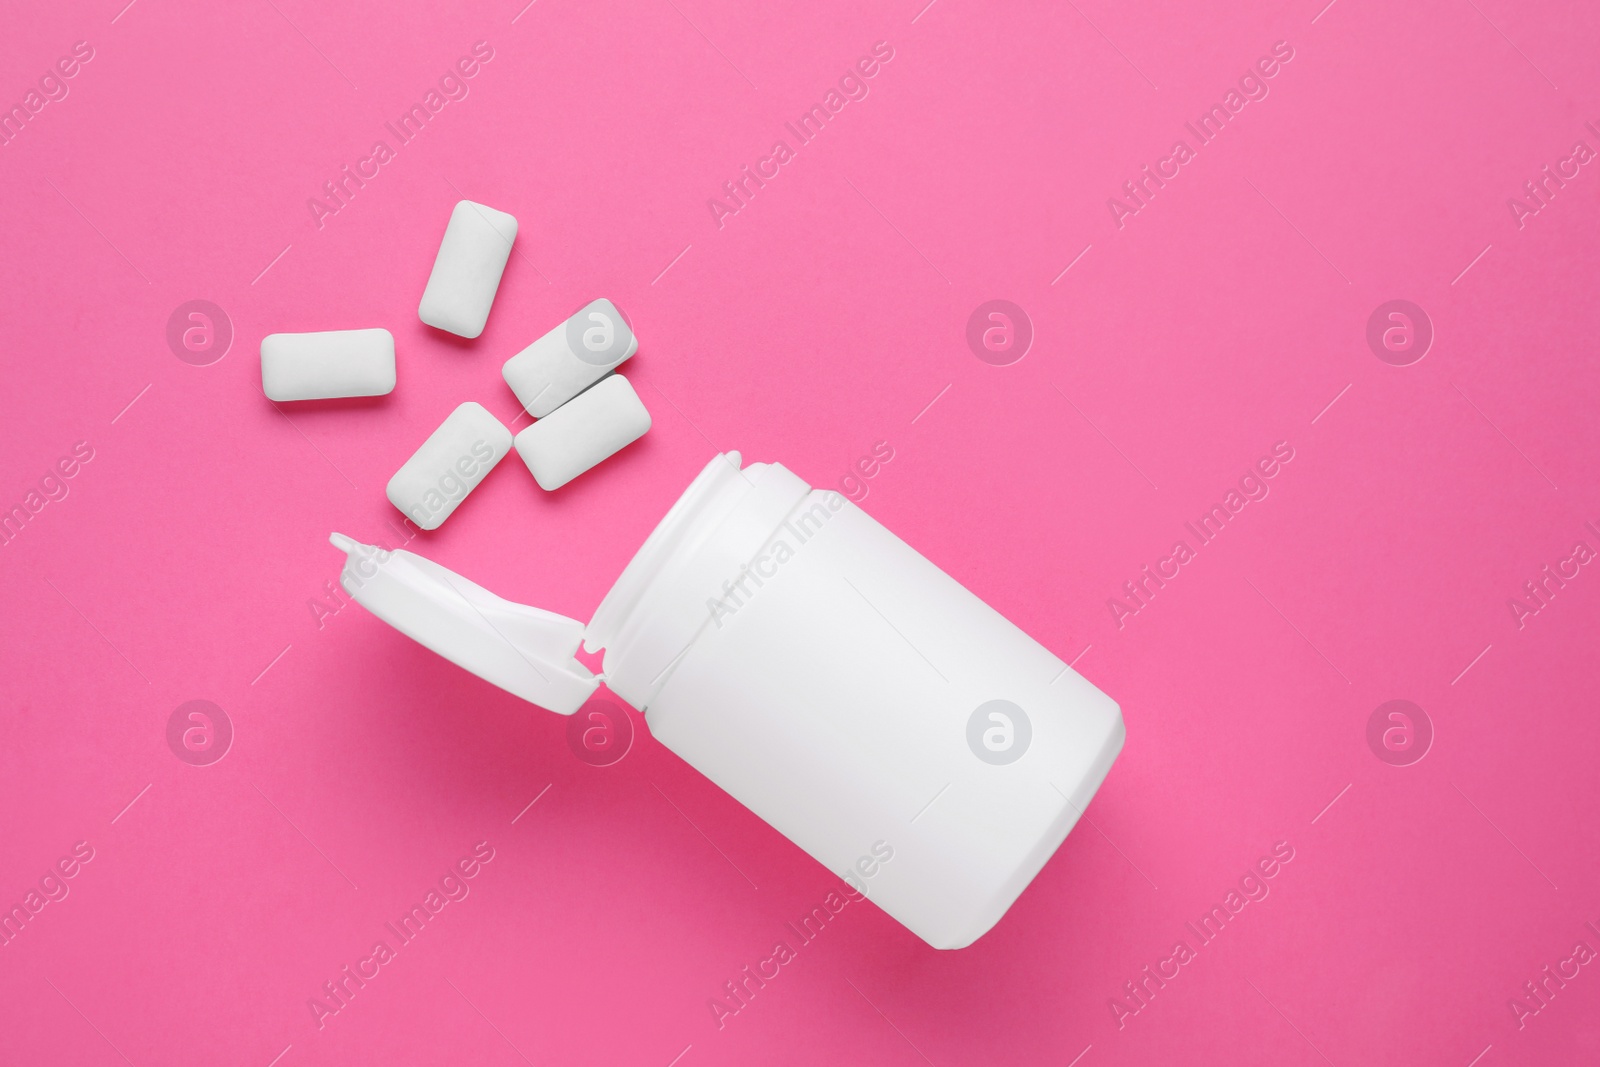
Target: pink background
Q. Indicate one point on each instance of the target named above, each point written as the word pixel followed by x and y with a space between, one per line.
pixel 825 316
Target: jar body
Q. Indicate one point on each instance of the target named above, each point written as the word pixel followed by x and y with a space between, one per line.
pixel 886 720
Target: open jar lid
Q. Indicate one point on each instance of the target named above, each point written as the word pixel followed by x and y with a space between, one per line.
pixel 524 650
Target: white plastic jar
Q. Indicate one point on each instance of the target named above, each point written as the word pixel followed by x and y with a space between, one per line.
pixel 823 673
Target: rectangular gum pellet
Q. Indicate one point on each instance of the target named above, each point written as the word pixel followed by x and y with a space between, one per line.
pixel 594 425
pixel 570 358
pixel 466 272
pixel 333 363
pixel 449 465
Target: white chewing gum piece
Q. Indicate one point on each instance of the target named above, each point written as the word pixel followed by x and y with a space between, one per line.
pixel 570 358
pixel 591 427
pixel 321 366
pixel 466 272
pixel 449 465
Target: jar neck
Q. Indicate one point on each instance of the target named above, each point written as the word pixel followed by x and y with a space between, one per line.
pixel 662 601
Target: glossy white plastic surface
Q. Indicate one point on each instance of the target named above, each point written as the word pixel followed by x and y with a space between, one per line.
pixel 521 649
pixel 838 684
pixel 834 700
